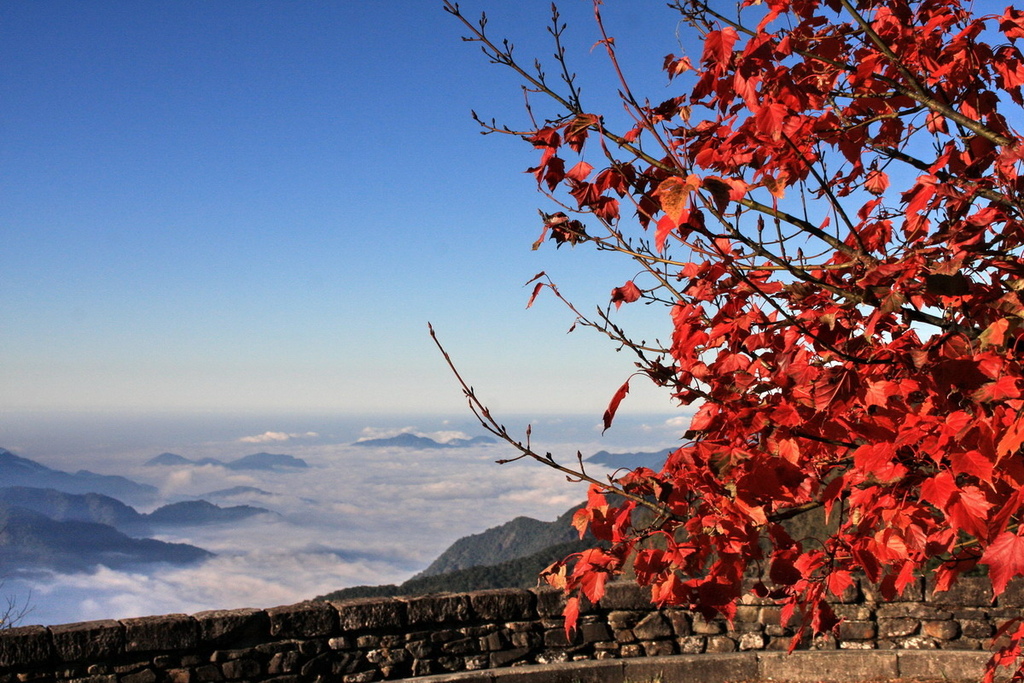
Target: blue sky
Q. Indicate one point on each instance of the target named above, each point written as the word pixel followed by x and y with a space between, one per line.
pixel 259 206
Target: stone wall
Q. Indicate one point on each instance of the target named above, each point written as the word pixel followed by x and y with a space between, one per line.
pixel 389 638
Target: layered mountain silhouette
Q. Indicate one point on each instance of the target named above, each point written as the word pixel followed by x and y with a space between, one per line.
pixel 195 512
pixel 99 509
pixel 18 471
pixel 30 540
pixel 518 538
pixel 510 555
pixel 406 440
pixel 631 461
pixel 54 520
pixel 272 462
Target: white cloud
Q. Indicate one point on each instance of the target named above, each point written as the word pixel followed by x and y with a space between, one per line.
pixel 355 516
pixel 277 437
pixel 368 433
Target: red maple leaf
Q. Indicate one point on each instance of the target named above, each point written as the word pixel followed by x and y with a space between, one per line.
pixel 1005 560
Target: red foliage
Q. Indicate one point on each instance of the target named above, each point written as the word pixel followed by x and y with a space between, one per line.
pixel 832 209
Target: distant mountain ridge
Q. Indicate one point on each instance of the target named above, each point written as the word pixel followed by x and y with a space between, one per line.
pixel 407 440
pixel 30 540
pixel 18 471
pixel 99 509
pixel 257 461
pixel 651 460
pixel 518 538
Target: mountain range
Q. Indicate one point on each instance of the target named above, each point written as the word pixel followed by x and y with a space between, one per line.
pixel 631 461
pixel 18 471
pixel 518 538
pixel 30 540
pixel 99 509
pixel 407 440
pixel 510 555
pixel 272 462
pixel 55 520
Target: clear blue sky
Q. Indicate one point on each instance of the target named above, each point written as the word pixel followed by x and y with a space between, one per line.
pixel 259 205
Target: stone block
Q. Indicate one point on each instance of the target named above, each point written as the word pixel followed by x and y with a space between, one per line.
pixel 233 628
pixel 707 628
pixel 595 632
pixel 626 595
pixel 948 665
pixel 1013 596
pixel 144 676
pixel 90 640
pixel 913 610
pixel 828 666
pixel 658 648
pixel 895 628
pixel 857 630
pixel 244 669
pixel 693 668
pixel 305 620
pixel 691 645
pixel 652 627
pixel 770 615
pixel 163 633
pixel 976 628
pixel 461 646
pixel 624 635
pixel 569 672
pixel 557 638
pixel 506 604
pixel 620 619
pixel 631 650
pixel 507 657
pixel 680 620
pixel 854 612
pixel 747 613
pixel 968 591
pixel 942 630
pixel 370 613
pixel 917 643
pixel 720 644
pixel 437 609
pixel 25 645
pixel 752 641
pixel 550 602
pixel 913 592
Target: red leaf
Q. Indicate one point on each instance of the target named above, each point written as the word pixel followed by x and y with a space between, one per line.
pixel 1005 560
pixel 536 290
pixel 572 615
pixel 876 182
pixel 992 392
pixel 592 583
pixel 770 119
pixel 718 46
pixel 1012 439
pixel 674 195
pixel 609 414
pixel 627 293
pixel 665 227
pixel 579 172
pixel 968 510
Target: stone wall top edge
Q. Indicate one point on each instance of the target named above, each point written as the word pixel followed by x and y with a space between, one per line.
pixel 978 589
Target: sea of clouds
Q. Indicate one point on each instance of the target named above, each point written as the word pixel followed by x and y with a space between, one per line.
pixel 357 515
